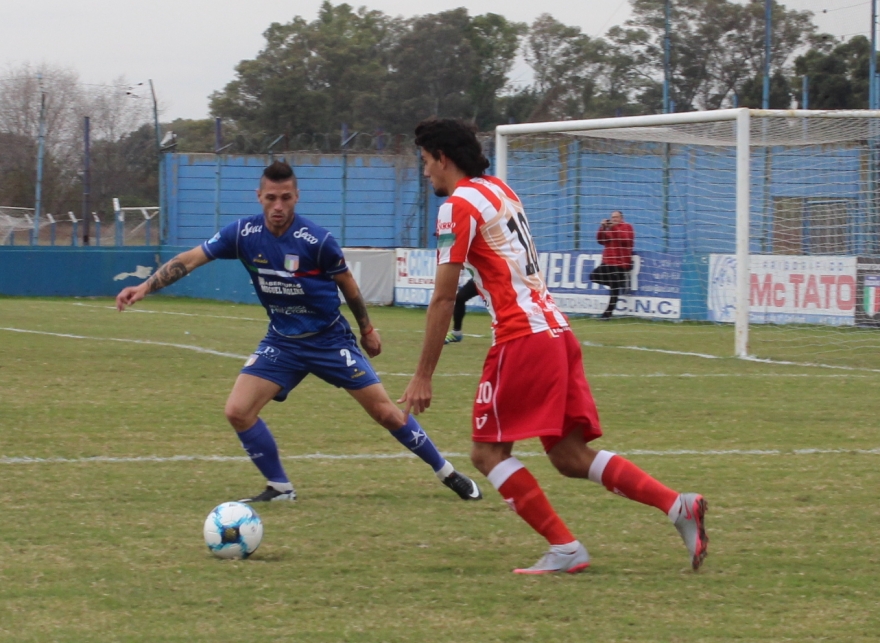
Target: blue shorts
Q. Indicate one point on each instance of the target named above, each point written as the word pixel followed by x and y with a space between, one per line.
pixel 334 357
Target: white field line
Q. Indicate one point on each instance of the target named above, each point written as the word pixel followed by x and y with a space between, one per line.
pixel 585 343
pixel 747 359
pixel 208 351
pixel 189 347
pixel 396 456
pixel 264 320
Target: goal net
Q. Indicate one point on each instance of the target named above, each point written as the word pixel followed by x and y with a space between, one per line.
pixel 760 229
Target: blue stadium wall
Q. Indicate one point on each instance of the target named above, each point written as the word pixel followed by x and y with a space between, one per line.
pixel 363 200
pixel 379 201
pixel 102 272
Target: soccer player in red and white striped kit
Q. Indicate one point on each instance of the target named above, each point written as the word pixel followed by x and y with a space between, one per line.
pixel 533 383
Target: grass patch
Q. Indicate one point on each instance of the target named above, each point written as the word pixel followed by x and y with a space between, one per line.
pixel 376 550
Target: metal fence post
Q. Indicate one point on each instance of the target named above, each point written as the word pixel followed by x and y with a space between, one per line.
pixel 119 218
pixel 74 231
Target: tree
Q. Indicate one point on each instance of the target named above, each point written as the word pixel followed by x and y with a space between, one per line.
pixel 112 116
pixel 569 69
pixel 193 135
pixel 433 69
pixel 837 72
pixel 717 47
pixel 311 77
pixel 17 158
pixel 127 169
pixel 495 42
pixel 751 93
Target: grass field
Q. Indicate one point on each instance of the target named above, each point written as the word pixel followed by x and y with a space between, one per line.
pixel 113 448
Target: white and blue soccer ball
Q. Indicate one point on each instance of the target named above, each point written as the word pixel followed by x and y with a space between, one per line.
pixel 233 530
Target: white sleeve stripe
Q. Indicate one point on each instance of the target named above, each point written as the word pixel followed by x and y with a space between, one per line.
pixel 475 198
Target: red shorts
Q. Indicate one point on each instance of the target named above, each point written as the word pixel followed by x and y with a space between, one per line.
pixel 534 387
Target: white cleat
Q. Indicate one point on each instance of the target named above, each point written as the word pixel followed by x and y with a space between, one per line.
pixel 690 524
pixel 555 561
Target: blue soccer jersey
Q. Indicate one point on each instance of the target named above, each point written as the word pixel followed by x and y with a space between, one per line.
pixel 292 274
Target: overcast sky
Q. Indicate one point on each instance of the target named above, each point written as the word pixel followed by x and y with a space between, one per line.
pixel 189 48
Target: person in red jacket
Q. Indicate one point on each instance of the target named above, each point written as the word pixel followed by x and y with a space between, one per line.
pixel 618 237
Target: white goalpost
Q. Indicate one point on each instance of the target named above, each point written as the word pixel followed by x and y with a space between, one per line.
pixel 762 218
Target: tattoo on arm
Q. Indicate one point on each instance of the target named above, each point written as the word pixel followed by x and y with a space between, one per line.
pixel 167 275
pixel 359 309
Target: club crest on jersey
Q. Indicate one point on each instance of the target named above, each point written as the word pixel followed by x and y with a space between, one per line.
pixel 291 263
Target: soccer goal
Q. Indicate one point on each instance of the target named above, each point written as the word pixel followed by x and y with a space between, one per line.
pixel 762 221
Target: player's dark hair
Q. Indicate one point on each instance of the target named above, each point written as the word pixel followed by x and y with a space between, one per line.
pixel 456 139
pixel 279 172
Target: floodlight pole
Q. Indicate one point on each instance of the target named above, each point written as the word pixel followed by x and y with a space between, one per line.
pixel 872 60
pixel 41 151
pixel 87 178
pixel 163 220
pixel 768 38
pixel 666 48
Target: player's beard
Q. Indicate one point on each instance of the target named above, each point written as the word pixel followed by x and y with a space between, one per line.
pixel 441 192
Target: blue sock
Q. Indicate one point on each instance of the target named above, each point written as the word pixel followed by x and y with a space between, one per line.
pixel 263 452
pixel 414 438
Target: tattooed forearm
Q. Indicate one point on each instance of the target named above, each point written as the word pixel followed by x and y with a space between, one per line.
pixel 359 309
pixel 166 275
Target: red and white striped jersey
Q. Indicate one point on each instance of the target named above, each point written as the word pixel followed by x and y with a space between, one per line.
pixel 483 226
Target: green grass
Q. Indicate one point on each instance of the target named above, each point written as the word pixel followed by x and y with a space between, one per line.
pixel 376 550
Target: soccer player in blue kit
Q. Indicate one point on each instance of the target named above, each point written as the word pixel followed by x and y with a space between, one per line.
pixel 296 267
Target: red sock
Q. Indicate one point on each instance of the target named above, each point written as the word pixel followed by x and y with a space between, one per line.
pixel 626 479
pixel 525 497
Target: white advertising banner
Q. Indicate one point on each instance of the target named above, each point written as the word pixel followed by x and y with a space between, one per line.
pixel 373 270
pixel 786 289
pixel 654 290
pixel 414 278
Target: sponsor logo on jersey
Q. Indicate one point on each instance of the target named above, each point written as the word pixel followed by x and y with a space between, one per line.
pixel 444 226
pixel 260 259
pixel 269 352
pixel 289 310
pixel 304 234
pixel 215 238
pixel 291 262
pixel 249 229
pixel 279 287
